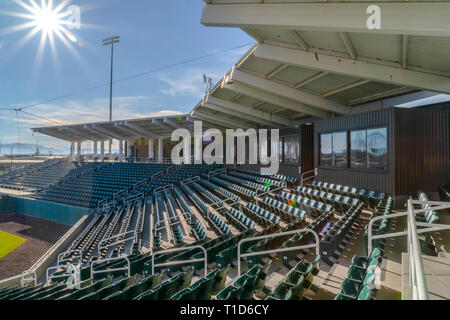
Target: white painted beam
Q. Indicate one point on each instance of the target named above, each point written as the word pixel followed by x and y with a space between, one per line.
pixel 299 40
pixel 227 123
pixel 161 125
pixel 396 17
pixel 288 92
pixel 69 134
pixel 250 113
pixel 354 68
pixel 110 134
pixel 172 123
pixel 310 79
pixel 382 95
pixel 345 87
pixel 208 124
pixel 145 132
pixel 238 114
pixel 276 100
pixel 404 51
pixel 348 44
pixel 275 71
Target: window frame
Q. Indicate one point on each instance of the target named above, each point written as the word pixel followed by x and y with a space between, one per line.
pixel 349 146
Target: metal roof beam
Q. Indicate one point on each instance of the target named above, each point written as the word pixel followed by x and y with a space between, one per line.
pixel 348 44
pixel 352 68
pixel 161 125
pixel 109 133
pixel 396 17
pixel 312 78
pixel 233 113
pixel 246 112
pixel 345 87
pixel 140 130
pixel 172 123
pixel 306 98
pixel 276 100
pixel 227 123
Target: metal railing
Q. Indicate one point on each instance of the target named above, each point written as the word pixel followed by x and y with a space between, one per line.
pixel 65 274
pixel 174 263
pixel 27 277
pixel 416 271
pixel 78 254
pixel 216 172
pixel 302 179
pixel 102 244
pixel 260 195
pixel 279 250
pixel 127 268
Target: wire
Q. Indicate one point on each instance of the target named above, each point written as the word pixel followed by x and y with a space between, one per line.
pixel 40 117
pixel 134 76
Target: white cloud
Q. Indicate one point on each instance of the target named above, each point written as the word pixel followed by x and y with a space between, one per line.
pixel 77 111
pixel 189 83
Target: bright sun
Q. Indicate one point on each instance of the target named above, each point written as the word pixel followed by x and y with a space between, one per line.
pixel 47 20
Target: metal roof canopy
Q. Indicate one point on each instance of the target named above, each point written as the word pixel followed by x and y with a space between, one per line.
pixel 153 127
pixel 312 59
pixel 320 58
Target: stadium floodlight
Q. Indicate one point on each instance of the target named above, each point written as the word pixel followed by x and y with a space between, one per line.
pixel 208 83
pixel 106 42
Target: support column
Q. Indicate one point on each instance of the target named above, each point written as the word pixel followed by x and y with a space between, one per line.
pixel 102 148
pixel 79 148
pixel 120 149
pixel 95 148
pixel 150 149
pixel 72 149
pixel 160 150
pixel 128 148
pixel 110 147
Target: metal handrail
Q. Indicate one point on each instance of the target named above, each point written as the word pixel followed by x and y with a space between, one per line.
pixel 101 246
pixel 48 277
pixel 26 280
pixel 432 227
pixel 216 172
pixel 259 253
pixel 174 223
pixel 416 270
pixel 315 171
pixel 415 258
pixel 59 260
pixel 265 193
pixel 183 261
pixel 111 270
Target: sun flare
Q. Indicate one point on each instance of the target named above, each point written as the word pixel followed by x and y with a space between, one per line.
pixel 50 22
pixel 47 20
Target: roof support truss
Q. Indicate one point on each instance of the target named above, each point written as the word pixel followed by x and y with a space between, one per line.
pixel 354 68
pixel 306 98
pixel 396 17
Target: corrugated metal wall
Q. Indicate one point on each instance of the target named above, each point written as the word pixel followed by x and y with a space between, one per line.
pixel 423 150
pixel 307 147
pixel 362 178
pixel 418 150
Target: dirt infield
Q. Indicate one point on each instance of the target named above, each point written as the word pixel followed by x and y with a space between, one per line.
pixel 40 234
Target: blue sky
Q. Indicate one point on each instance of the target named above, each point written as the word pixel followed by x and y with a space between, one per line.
pixel 153 34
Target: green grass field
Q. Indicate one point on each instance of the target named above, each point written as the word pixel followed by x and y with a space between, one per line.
pixel 9 242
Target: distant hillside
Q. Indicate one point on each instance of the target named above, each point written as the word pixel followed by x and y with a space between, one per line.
pixel 24 148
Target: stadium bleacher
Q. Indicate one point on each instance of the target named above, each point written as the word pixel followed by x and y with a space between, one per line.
pixel 183 206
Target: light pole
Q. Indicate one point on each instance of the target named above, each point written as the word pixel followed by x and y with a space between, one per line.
pixel 106 42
